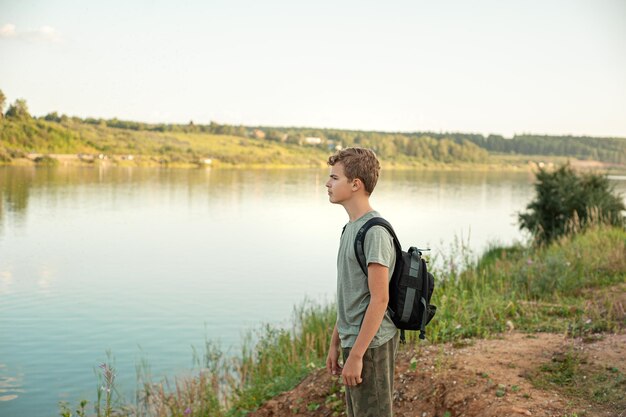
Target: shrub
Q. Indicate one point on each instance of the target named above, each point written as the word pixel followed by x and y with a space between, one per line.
pixel 566 203
pixel 46 160
pixel 4 155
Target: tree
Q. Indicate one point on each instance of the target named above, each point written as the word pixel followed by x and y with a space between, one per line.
pixel 18 110
pixel 565 203
pixel 3 102
pixel 52 117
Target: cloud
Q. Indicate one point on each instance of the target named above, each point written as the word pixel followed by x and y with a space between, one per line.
pixel 43 34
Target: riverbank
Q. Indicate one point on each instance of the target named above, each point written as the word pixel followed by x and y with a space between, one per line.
pixel 519 332
pixel 543 303
pixel 513 374
pixel 506 163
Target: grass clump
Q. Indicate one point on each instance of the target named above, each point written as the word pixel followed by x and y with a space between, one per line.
pixel 535 288
pixel 281 358
pixel 572 374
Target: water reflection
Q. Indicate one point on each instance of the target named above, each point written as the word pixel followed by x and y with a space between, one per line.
pixel 6 281
pixel 10 386
pixel 58 184
pixel 15 184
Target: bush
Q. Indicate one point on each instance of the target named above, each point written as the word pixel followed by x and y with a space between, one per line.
pixel 46 160
pixel 18 110
pixel 566 203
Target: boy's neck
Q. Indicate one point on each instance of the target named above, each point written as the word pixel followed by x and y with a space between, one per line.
pixel 357 208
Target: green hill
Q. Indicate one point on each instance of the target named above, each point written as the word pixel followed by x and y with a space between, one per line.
pixel 75 136
pixel 226 145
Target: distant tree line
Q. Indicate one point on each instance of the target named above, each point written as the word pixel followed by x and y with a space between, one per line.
pixel 582 147
pixel 469 147
pixel 427 146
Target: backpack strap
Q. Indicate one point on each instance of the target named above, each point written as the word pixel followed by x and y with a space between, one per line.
pixel 359 242
pixel 423 300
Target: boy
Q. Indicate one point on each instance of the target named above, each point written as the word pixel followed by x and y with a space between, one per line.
pixel 364 331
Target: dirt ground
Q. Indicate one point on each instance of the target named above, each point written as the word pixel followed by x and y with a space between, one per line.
pixel 485 378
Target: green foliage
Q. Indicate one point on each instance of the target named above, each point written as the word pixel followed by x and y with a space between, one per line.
pixel 573 374
pixel 583 147
pixel 66 411
pixel 5 156
pixel 18 110
pixel 280 358
pixel 533 288
pixel 72 136
pixel 40 136
pixel 245 145
pixel 46 160
pixel 566 203
pixel 53 117
pixel 3 102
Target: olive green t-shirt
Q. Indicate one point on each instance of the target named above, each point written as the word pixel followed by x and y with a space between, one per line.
pixel 353 295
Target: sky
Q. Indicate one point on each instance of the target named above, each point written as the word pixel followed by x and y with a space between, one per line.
pixel 492 67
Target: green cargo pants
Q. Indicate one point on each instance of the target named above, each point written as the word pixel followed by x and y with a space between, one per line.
pixel 374 396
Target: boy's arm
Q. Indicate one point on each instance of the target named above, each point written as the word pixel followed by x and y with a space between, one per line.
pixel 332 360
pixel 378 282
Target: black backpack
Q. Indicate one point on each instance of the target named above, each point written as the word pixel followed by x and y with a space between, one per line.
pixel 411 285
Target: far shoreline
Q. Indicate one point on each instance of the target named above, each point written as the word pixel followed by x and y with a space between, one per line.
pixel 502 163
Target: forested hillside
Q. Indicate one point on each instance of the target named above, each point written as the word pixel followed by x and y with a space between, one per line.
pixel 20 133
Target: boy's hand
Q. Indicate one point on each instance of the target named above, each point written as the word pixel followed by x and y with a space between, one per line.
pixel 332 361
pixel 352 369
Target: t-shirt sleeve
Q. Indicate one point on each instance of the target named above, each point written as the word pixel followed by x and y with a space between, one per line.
pixel 379 247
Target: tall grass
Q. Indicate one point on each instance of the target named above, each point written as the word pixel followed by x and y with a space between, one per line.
pixel 281 357
pixel 529 288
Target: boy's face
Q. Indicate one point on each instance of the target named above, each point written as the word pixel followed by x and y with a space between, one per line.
pixel 339 187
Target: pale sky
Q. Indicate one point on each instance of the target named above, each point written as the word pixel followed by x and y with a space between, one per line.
pixel 502 67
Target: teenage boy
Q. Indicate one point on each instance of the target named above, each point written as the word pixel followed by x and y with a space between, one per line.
pixel 364 331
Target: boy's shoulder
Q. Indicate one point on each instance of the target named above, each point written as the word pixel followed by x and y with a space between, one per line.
pixel 365 218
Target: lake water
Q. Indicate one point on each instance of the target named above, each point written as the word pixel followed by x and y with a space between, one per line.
pixel 146 263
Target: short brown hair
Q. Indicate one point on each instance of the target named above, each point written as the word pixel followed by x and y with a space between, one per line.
pixel 358 163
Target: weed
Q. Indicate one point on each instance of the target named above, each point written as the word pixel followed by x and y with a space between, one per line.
pixel 335 403
pixel 462 343
pixel 313 406
pixel 571 373
pixel 66 411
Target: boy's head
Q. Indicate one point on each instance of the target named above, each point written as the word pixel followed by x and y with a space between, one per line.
pixel 358 163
